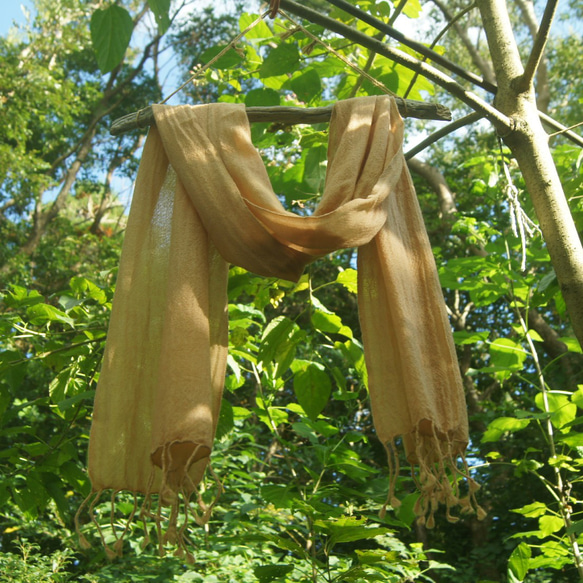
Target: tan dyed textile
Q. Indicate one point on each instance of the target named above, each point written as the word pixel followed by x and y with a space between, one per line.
pixel 203 200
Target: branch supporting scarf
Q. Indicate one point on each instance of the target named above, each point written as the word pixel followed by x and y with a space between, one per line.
pixel 203 200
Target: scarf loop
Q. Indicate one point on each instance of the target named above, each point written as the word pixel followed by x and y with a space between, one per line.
pixel 203 200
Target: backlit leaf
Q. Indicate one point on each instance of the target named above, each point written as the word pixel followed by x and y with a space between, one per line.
pixel 519 561
pixel 502 425
pixel 280 61
pixel 111 31
pixel 312 387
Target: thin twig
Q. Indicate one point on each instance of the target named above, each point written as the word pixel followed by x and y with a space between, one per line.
pixel 526 80
pixel 441 133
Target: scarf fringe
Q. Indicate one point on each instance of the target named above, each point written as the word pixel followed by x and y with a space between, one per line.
pixel 168 531
pixel 437 475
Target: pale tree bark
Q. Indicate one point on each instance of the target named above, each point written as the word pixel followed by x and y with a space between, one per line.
pixel 543 91
pixel 529 145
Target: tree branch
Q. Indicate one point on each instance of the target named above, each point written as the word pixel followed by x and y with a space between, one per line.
pixel 416 46
pixel 526 81
pixel 503 123
pixel 481 64
pixel 542 80
pixel 441 133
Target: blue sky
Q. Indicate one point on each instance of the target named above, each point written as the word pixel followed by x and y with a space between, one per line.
pixel 10 11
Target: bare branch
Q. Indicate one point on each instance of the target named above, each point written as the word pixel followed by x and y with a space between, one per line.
pixel 543 91
pixel 287 115
pixel 538 47
pixel 441 133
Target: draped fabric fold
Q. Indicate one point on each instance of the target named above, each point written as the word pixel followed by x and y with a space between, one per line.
pixel 203 200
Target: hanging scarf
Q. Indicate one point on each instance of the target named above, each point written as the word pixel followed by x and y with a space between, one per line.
pixel 203 200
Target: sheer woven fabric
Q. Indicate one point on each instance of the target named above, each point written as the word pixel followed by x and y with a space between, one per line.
pixel 203 200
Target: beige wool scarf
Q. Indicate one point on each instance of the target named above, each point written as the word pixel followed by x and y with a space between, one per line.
pixel 203 200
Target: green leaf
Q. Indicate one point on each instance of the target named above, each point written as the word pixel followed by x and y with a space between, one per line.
pixel 519 561
pixel 315 168
pixel 111 31
pixel 279 342
pixel 330 323
pixel 259 32
pixel 498 427
pixel 268 573
pixel 349 279
pixel 306 85
pixel 532 510
pixel 279 496
pixel 573 440
pixel 349 529
pixel 462 337
pixel 562 410
pixel 312 387
pixel 280 61
pixel 575 528
pixel 262 97
pixel 41 314
pixel 226 421
pixel 507 356
pixel 549 524
pixel 161 10
pixel 21 297
pixel 572 344
pixel 229 60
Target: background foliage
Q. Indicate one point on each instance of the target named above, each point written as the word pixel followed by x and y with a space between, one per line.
pixel 303 472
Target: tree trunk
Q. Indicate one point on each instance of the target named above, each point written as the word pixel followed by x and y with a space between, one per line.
pixel 529 144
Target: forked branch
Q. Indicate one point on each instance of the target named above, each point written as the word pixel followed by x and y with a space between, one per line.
pixel 538 47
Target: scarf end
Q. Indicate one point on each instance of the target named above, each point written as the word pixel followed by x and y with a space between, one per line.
pixel 171 526
pixel 437 474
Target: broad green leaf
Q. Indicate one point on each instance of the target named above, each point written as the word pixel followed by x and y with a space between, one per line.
pixel 507 356
pixel 161 10
pixel 84 288
pixel 519 561
pixel 312 387
pixel 280 60
pixel 575 527
pixel 349 529
pixel 573 440
pixel 572 344
pixel 412 9
pixel 549 524
pixel 330 323
pixel 562 410
pixel 19 296
pixel 262 97
pixel 41 314
pixel 577 397
pixel 532 510
pixel 226 421
pixel 268 573
pixel 279 342
pixel 498 427
pixel 229 60
pixel 349 279
pixel 259 32
pixel 278 495
pixel 462 337
pixel 315 168
pixel 306 85
pixel 111 31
